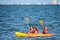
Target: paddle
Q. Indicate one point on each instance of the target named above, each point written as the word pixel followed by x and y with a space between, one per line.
pixel 41 22
pixel 27 20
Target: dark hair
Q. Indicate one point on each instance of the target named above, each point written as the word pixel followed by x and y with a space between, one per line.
pixel 35 28
pixel 31 26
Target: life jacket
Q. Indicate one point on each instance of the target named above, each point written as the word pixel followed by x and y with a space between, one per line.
pixel 34 31
pixel 44 31
pixel 30 31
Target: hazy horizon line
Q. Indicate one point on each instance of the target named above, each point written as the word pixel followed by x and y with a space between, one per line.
pixel 27 4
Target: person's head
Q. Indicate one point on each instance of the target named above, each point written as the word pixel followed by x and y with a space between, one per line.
pixel 44 27
pixel 31 27
pixel 34 28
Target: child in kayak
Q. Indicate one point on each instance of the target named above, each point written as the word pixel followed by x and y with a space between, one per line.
pixel 35 31
pixel 44 30
pixel 30 30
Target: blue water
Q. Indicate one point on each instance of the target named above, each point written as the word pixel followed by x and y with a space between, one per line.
pixel 12 19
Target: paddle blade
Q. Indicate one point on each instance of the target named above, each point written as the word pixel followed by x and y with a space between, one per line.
pixel 41 21
pixel 27 19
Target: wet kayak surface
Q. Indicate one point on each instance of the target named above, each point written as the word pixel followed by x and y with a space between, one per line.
pixel 12 19
pixel 20 34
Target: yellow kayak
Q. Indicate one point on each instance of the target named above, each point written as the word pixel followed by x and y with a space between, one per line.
pixel 20 34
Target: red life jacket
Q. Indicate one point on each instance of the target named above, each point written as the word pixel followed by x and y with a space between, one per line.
pixel 44 31
pixel 30 31
pixel 34 31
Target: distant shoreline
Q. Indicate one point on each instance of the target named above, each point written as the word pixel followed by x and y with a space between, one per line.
pixel 30 4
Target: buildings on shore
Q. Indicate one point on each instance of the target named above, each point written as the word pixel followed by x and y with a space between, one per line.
pixel 54 2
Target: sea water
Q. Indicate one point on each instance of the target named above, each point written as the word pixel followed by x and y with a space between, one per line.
pixel 12 19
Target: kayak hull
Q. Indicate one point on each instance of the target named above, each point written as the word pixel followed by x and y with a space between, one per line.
pixel 20 34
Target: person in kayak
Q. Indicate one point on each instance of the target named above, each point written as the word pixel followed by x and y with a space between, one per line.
pixel 44 30
pixel 30 30
pixel 35 31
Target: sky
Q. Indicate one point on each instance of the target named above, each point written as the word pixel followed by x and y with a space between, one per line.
pixel 26 1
